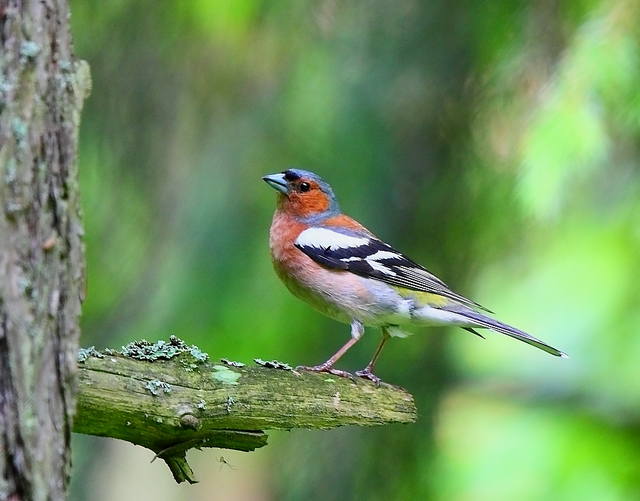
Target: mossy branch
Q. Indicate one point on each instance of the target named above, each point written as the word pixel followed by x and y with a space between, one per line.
pixel 168 398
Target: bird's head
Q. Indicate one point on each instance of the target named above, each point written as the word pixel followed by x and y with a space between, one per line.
pixel 303 194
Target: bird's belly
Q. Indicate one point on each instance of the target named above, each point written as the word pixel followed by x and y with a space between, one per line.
pixel 342 295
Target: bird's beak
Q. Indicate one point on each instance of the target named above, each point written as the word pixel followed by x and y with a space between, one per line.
pixel 277 182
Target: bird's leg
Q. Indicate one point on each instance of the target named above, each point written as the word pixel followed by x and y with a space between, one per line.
pixel 367 372
pixel 357 330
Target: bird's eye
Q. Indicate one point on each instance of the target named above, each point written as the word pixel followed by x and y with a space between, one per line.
pixel 305 187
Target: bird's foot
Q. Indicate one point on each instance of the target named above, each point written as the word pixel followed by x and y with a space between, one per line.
pixel 367 374
pixel 325 368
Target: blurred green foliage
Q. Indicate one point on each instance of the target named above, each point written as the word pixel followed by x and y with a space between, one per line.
pixel 496 142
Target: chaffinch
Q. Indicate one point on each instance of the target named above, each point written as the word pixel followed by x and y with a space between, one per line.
pixel 343 270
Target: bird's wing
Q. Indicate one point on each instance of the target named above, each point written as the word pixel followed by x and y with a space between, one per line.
pixel 365 255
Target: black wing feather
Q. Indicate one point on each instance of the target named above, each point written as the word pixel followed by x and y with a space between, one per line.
pixel 403 271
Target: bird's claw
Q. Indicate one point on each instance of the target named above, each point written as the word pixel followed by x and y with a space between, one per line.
pixel 324 368
pixel 367 374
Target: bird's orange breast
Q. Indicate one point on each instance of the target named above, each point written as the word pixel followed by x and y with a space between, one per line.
pixel 327 290
pixel 284 231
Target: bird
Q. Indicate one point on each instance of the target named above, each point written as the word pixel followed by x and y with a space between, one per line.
pixel 343 270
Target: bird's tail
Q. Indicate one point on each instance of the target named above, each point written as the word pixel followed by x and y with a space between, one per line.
pixel 480 320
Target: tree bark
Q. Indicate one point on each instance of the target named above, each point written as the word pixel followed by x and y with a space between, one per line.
pixel 42 89
pixel 176 402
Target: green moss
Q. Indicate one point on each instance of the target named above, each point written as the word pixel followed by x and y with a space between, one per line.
pixel 188 366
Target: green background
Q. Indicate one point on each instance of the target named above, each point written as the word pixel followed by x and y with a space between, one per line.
pixel 495 142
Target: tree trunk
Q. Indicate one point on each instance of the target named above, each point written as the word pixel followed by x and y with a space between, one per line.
pixel 41 252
